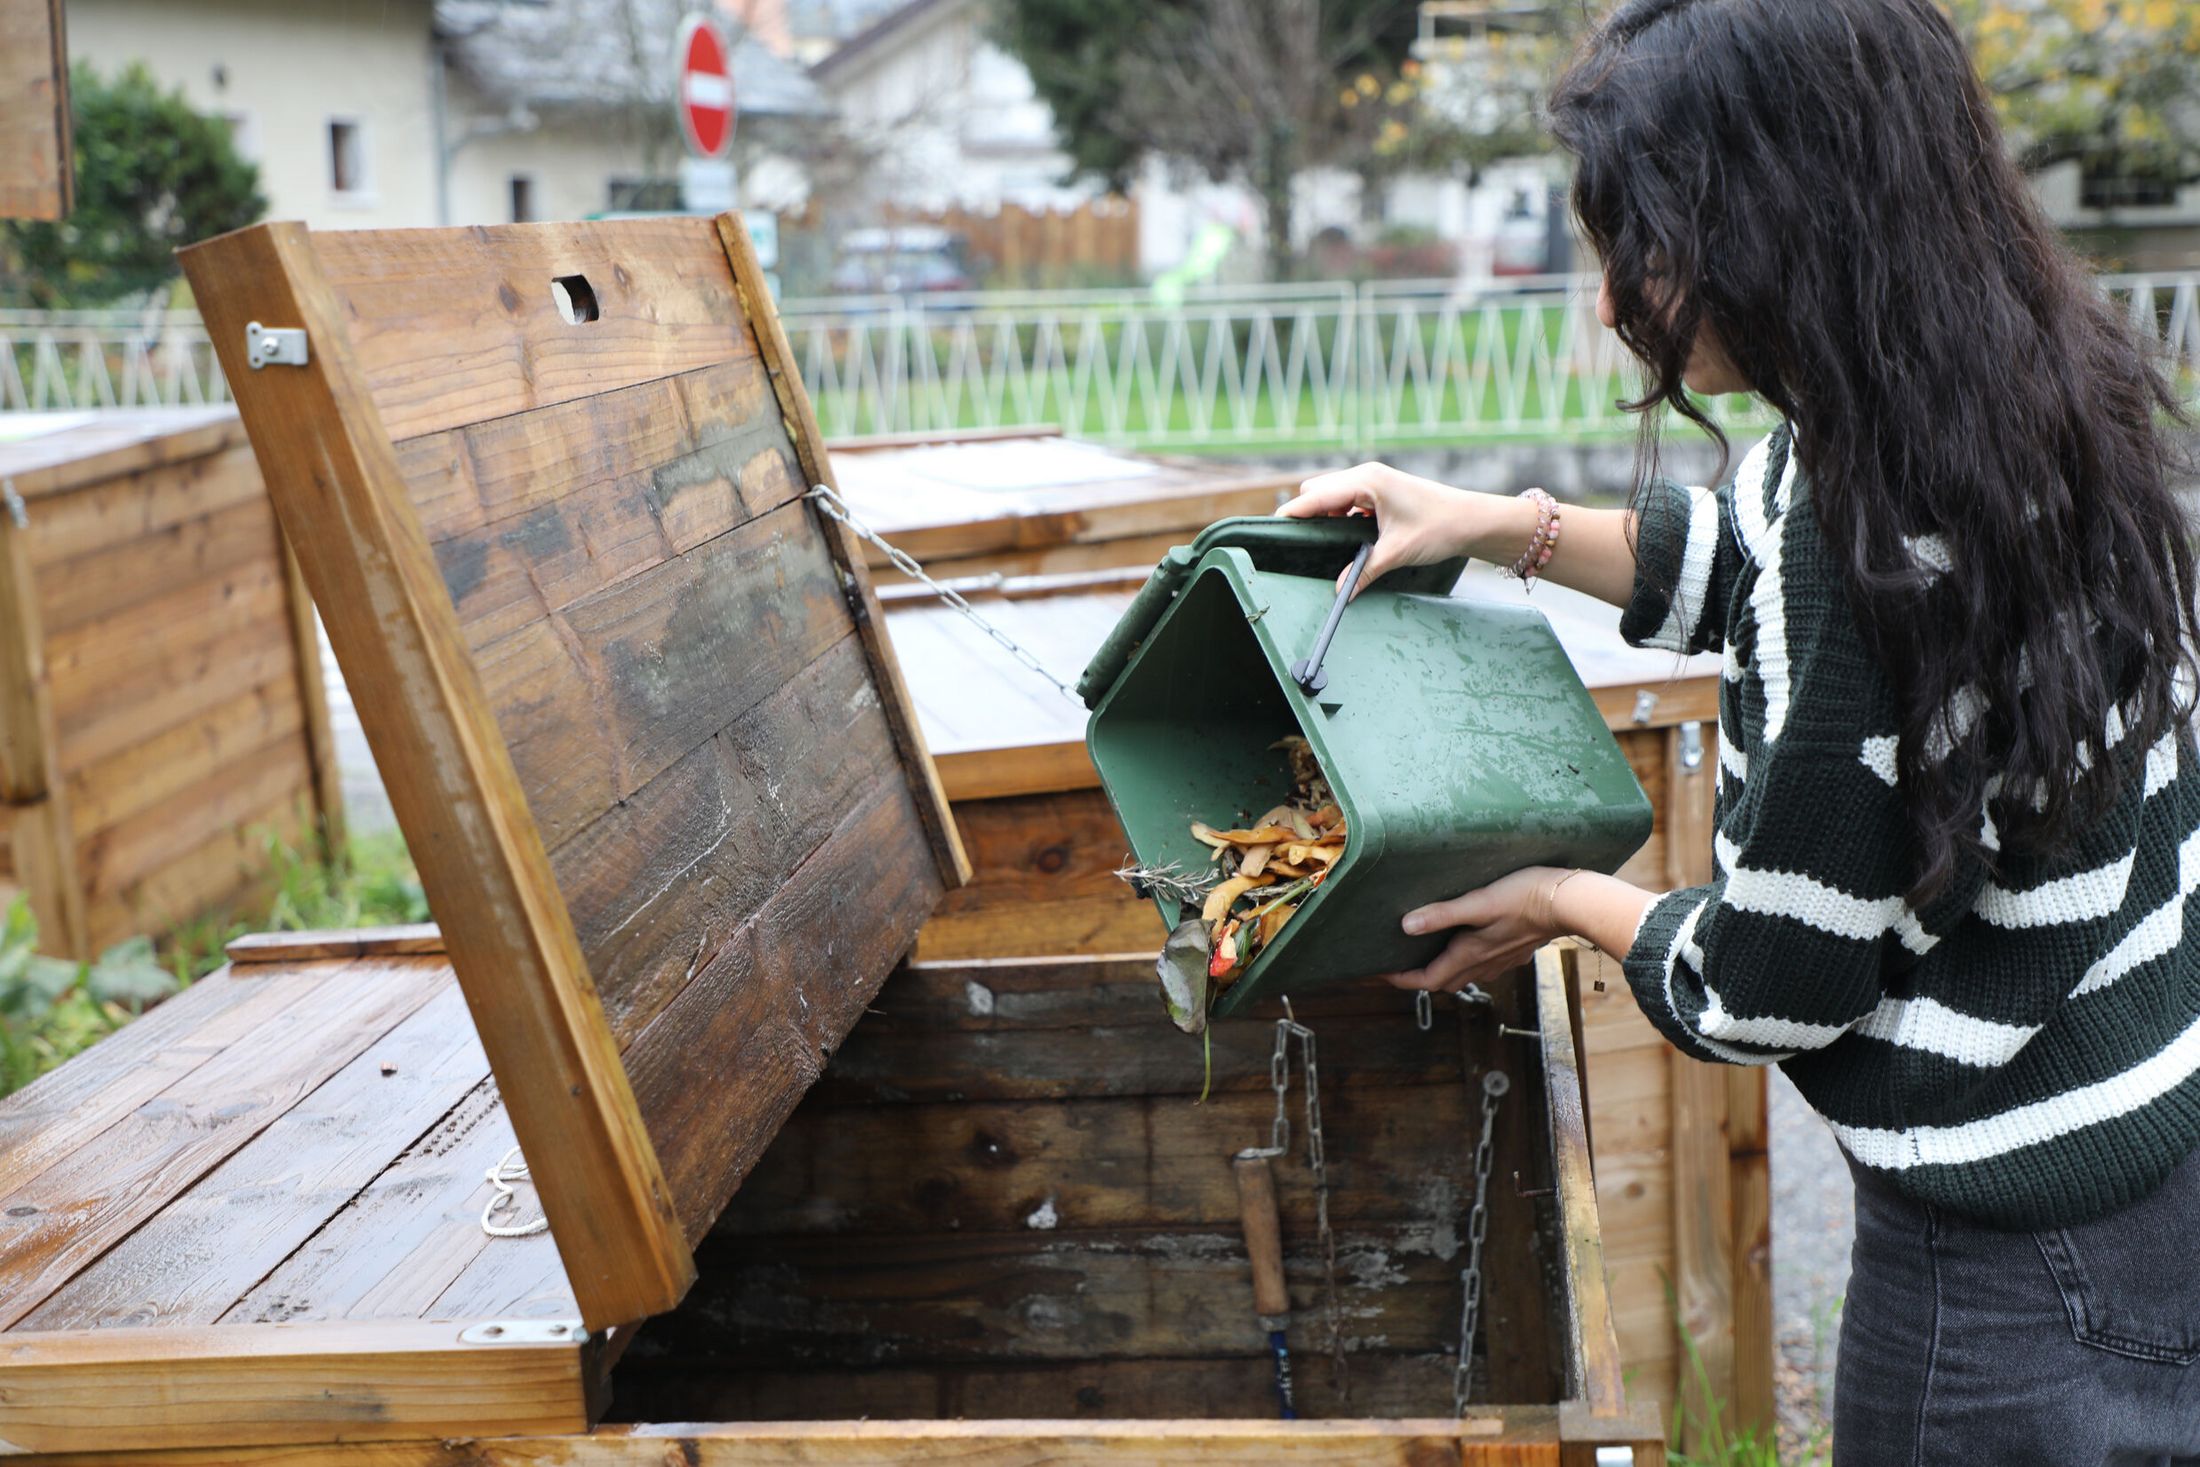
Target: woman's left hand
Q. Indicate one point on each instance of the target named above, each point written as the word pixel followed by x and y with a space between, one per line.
pixel 1503 924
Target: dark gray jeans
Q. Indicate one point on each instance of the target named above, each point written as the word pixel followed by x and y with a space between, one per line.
pixel 1966 1346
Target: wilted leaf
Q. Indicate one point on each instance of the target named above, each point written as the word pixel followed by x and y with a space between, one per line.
pixel 1183 973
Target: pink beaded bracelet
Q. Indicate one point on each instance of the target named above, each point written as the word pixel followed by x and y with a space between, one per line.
pixel 1542 543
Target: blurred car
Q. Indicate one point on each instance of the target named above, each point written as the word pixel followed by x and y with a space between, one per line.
pixel 912 260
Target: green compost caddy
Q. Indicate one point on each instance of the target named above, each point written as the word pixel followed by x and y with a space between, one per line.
pixel 1459 740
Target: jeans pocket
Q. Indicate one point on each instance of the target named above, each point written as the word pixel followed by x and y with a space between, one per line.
pixel 2128 1280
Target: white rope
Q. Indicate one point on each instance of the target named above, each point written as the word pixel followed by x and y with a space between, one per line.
pixel 504 1176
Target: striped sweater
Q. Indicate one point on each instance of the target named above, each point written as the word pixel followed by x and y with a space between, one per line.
pixel 2025 1049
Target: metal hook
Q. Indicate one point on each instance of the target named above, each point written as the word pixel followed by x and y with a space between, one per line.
pixel 1424 1012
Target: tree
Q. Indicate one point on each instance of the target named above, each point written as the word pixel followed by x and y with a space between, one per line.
pixel 1235 86
pixel 151 174
pixel 2113 85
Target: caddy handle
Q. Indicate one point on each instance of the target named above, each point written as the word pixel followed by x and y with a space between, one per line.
pixel 1307 672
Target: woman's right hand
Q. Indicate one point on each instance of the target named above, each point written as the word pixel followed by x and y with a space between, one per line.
pixel 1418 521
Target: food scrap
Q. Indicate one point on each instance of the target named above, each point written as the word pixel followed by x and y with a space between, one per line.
pixel 1260 874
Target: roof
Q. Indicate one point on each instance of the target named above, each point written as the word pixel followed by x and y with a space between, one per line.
pixel 553 54
pixel 884 28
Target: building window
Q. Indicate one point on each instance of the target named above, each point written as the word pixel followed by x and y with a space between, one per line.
pixel 644 195
pixel 523 199
pixel 347 158
pixel 2105 185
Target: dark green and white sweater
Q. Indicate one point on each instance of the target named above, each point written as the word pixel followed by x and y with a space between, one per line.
pixel 2025 1049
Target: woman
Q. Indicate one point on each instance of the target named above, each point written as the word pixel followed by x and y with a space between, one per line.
pixel 1958 797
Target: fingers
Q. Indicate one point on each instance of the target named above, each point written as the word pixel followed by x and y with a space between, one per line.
pixel 1335 493
pixel 1471 909
pixel 1471 957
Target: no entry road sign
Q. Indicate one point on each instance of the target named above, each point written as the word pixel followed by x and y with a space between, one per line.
pixel 703 65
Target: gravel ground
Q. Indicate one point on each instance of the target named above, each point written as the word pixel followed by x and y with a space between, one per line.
pixel 1813 1223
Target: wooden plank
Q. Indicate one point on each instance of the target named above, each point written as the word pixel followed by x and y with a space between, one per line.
pixel 66 1107
pixel 394 1250
pixel 114 443
pixel 193 1260
pixel 812 1302
pixel 274 774
pixel 324 448
pixel 305 638
pixel 663 880
pixel 809 446
pixel 1385 1385
pixel 1516 1436
pixel 102 719
pixel 54 1224
pixel 42 862
pixel 891 1068
pixel 1593 1353
pixel 172 763
pixel 1703 1239
pixel 1687 817
pixel 101 582
pixel 153 481
pixel 979 1166
pixel 450 328
pixel 600 699
pixel 999 995
pixel 1045 882
pixel 530 513
pixel 1681 700
pixel 113 647
pixel 229 870
pixel 719 1069
pixel 417 939
pixel 37 167
pixel 117 1390
pixel 1025 769
pixel 1751 1401
pixel 26 697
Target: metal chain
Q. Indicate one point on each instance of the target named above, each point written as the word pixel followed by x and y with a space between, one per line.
pixel 1317 1163
pixel 1494 1084
pixel 834 507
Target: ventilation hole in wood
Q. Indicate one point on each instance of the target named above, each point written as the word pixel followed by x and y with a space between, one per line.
pixel 576 299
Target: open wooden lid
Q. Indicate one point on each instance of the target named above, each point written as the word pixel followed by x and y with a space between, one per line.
pixel 627 688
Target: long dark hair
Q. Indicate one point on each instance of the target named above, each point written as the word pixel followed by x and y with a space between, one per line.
pixel 1822 183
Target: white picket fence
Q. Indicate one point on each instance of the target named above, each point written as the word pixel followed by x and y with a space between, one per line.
pixel 1315 366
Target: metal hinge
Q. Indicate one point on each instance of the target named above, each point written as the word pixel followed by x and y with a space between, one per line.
pixel 18 511
pixel 1646 703
pixel 525 1332
pixel 285 345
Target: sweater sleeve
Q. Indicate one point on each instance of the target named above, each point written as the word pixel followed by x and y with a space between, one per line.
pixel 1686 562
pixel 1788 946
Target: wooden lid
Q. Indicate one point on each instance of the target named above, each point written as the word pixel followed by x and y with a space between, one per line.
pixel 626 687
pixel 51 453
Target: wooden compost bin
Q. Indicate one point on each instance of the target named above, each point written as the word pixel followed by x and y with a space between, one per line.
pixel 160 676
pixel 640 723
pixel 1680 1146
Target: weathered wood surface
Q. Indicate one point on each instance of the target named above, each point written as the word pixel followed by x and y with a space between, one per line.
pixel 415 939
pixel 97 1193
pixel 37 172
pixel 626 685
pixel 169 659
pixel 1513 1436
pixel 124 1390
pixel 1004 1173
pixel 1595 1370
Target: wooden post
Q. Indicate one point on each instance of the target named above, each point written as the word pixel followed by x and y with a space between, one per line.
pixel 1748 1139
pixel 43 843
pixel 37 162
pixel 329 463
pixel 1703 1242
pixel 305 633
